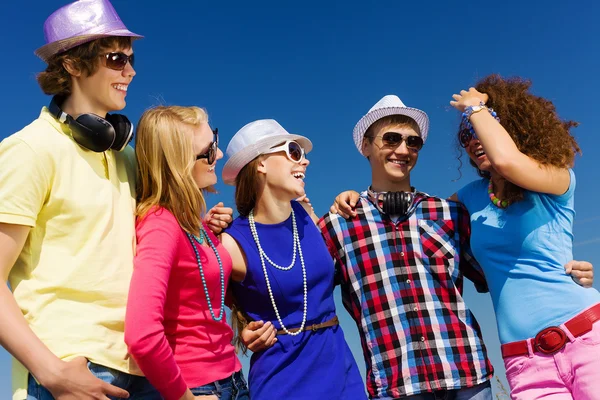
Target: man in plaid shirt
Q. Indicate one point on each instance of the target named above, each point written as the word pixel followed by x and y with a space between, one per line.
pixel 402 258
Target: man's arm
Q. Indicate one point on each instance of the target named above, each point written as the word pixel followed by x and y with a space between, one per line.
pixel 64 380
pixel 25 186
pixel 324 224
pixel 469 266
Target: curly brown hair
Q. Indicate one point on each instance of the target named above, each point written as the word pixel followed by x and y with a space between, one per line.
pixel 56 80
pixel 533 124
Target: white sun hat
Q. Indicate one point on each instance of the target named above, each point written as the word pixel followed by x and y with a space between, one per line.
pixel 253 140
pixel 389 105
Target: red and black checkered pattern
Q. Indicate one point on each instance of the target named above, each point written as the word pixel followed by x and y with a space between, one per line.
pixel 402 283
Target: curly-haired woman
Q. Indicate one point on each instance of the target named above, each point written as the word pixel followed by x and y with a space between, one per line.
pixel 522 214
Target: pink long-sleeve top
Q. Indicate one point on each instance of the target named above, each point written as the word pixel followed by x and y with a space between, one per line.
pixel 169 330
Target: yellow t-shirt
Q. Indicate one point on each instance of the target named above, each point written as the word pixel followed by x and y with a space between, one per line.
pixel 72 277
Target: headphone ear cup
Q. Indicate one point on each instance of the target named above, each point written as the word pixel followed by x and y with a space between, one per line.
pixel 92 132
pixel 393 209
pixel 403 203
pixel 123 130
pixel 390 203
pixel 386 203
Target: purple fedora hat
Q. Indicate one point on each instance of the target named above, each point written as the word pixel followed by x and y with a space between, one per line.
pixel 80 22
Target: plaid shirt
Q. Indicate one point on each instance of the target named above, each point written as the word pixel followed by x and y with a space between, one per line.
pixel 401 284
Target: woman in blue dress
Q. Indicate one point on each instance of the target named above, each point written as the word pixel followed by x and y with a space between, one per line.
pixel 282 271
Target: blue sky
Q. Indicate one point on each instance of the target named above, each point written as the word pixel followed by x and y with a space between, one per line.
pixel 317 67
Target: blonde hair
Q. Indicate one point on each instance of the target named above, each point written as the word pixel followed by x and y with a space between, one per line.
pixel 166 157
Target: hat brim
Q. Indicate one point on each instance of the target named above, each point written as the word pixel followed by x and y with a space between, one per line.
pixel 370 118
pixel 47 51
pixel 239 160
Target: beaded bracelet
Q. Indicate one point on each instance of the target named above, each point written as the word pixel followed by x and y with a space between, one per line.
pixel 470 110
pixel 466 115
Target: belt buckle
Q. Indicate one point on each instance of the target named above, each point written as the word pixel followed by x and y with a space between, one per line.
pixel 550 340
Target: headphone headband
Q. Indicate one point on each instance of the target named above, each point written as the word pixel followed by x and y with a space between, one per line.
pixel 58 113
pixel 93 132
pixel 393 203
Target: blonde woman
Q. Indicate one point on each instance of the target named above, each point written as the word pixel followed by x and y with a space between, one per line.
pixel 175 326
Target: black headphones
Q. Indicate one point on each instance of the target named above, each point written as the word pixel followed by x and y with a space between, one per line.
pixel 393 203
pixel 94 132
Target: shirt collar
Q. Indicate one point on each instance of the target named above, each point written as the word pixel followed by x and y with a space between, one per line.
pixel 48 117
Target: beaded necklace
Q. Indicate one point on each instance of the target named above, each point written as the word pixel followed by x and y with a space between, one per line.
pixel 495 200
pixel 263 257
pixel 200 240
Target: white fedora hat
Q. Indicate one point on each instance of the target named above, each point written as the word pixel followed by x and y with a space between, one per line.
pixel 253 140
pixel 389 105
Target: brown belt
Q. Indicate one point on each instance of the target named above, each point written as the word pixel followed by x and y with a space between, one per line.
pixel 552 339
pixel 332 322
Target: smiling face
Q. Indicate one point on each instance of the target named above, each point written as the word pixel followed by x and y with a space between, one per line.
pixel 282 175
pixel 204 173
pixel 390 164
pixel 478 156
pixel 105 89
pixel 474 150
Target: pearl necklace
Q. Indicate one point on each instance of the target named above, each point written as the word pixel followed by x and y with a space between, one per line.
pixel 495 200
pixel 200 240
pixel 263 257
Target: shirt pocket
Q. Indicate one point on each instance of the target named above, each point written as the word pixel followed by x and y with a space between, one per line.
pixel 437 238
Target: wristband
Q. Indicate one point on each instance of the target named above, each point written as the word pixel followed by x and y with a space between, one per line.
pixel 469 111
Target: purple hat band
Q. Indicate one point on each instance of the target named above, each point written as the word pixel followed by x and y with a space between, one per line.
pixel 80 22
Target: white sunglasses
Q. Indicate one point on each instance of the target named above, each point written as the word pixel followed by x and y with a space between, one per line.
pixel 293 150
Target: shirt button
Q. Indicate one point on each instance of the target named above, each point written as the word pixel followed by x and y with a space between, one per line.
pixel 408 281
pixel 416 309
pixel 401 254
pixel 422 339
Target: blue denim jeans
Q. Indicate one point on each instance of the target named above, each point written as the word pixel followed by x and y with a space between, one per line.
pixel 482 391
pixel 232 388
pixel 138 387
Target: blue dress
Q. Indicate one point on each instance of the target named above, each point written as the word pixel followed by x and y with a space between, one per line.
pixel 312 365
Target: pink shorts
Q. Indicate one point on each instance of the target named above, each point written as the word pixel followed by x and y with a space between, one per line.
pixel 571 373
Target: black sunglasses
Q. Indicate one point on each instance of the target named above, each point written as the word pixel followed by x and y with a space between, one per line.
pixel 117 60
pixel 394 139
pixel 211 153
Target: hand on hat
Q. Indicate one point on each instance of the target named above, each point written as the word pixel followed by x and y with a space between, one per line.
pixel 468 98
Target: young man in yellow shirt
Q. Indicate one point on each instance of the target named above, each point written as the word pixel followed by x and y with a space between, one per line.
pixel 67 203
